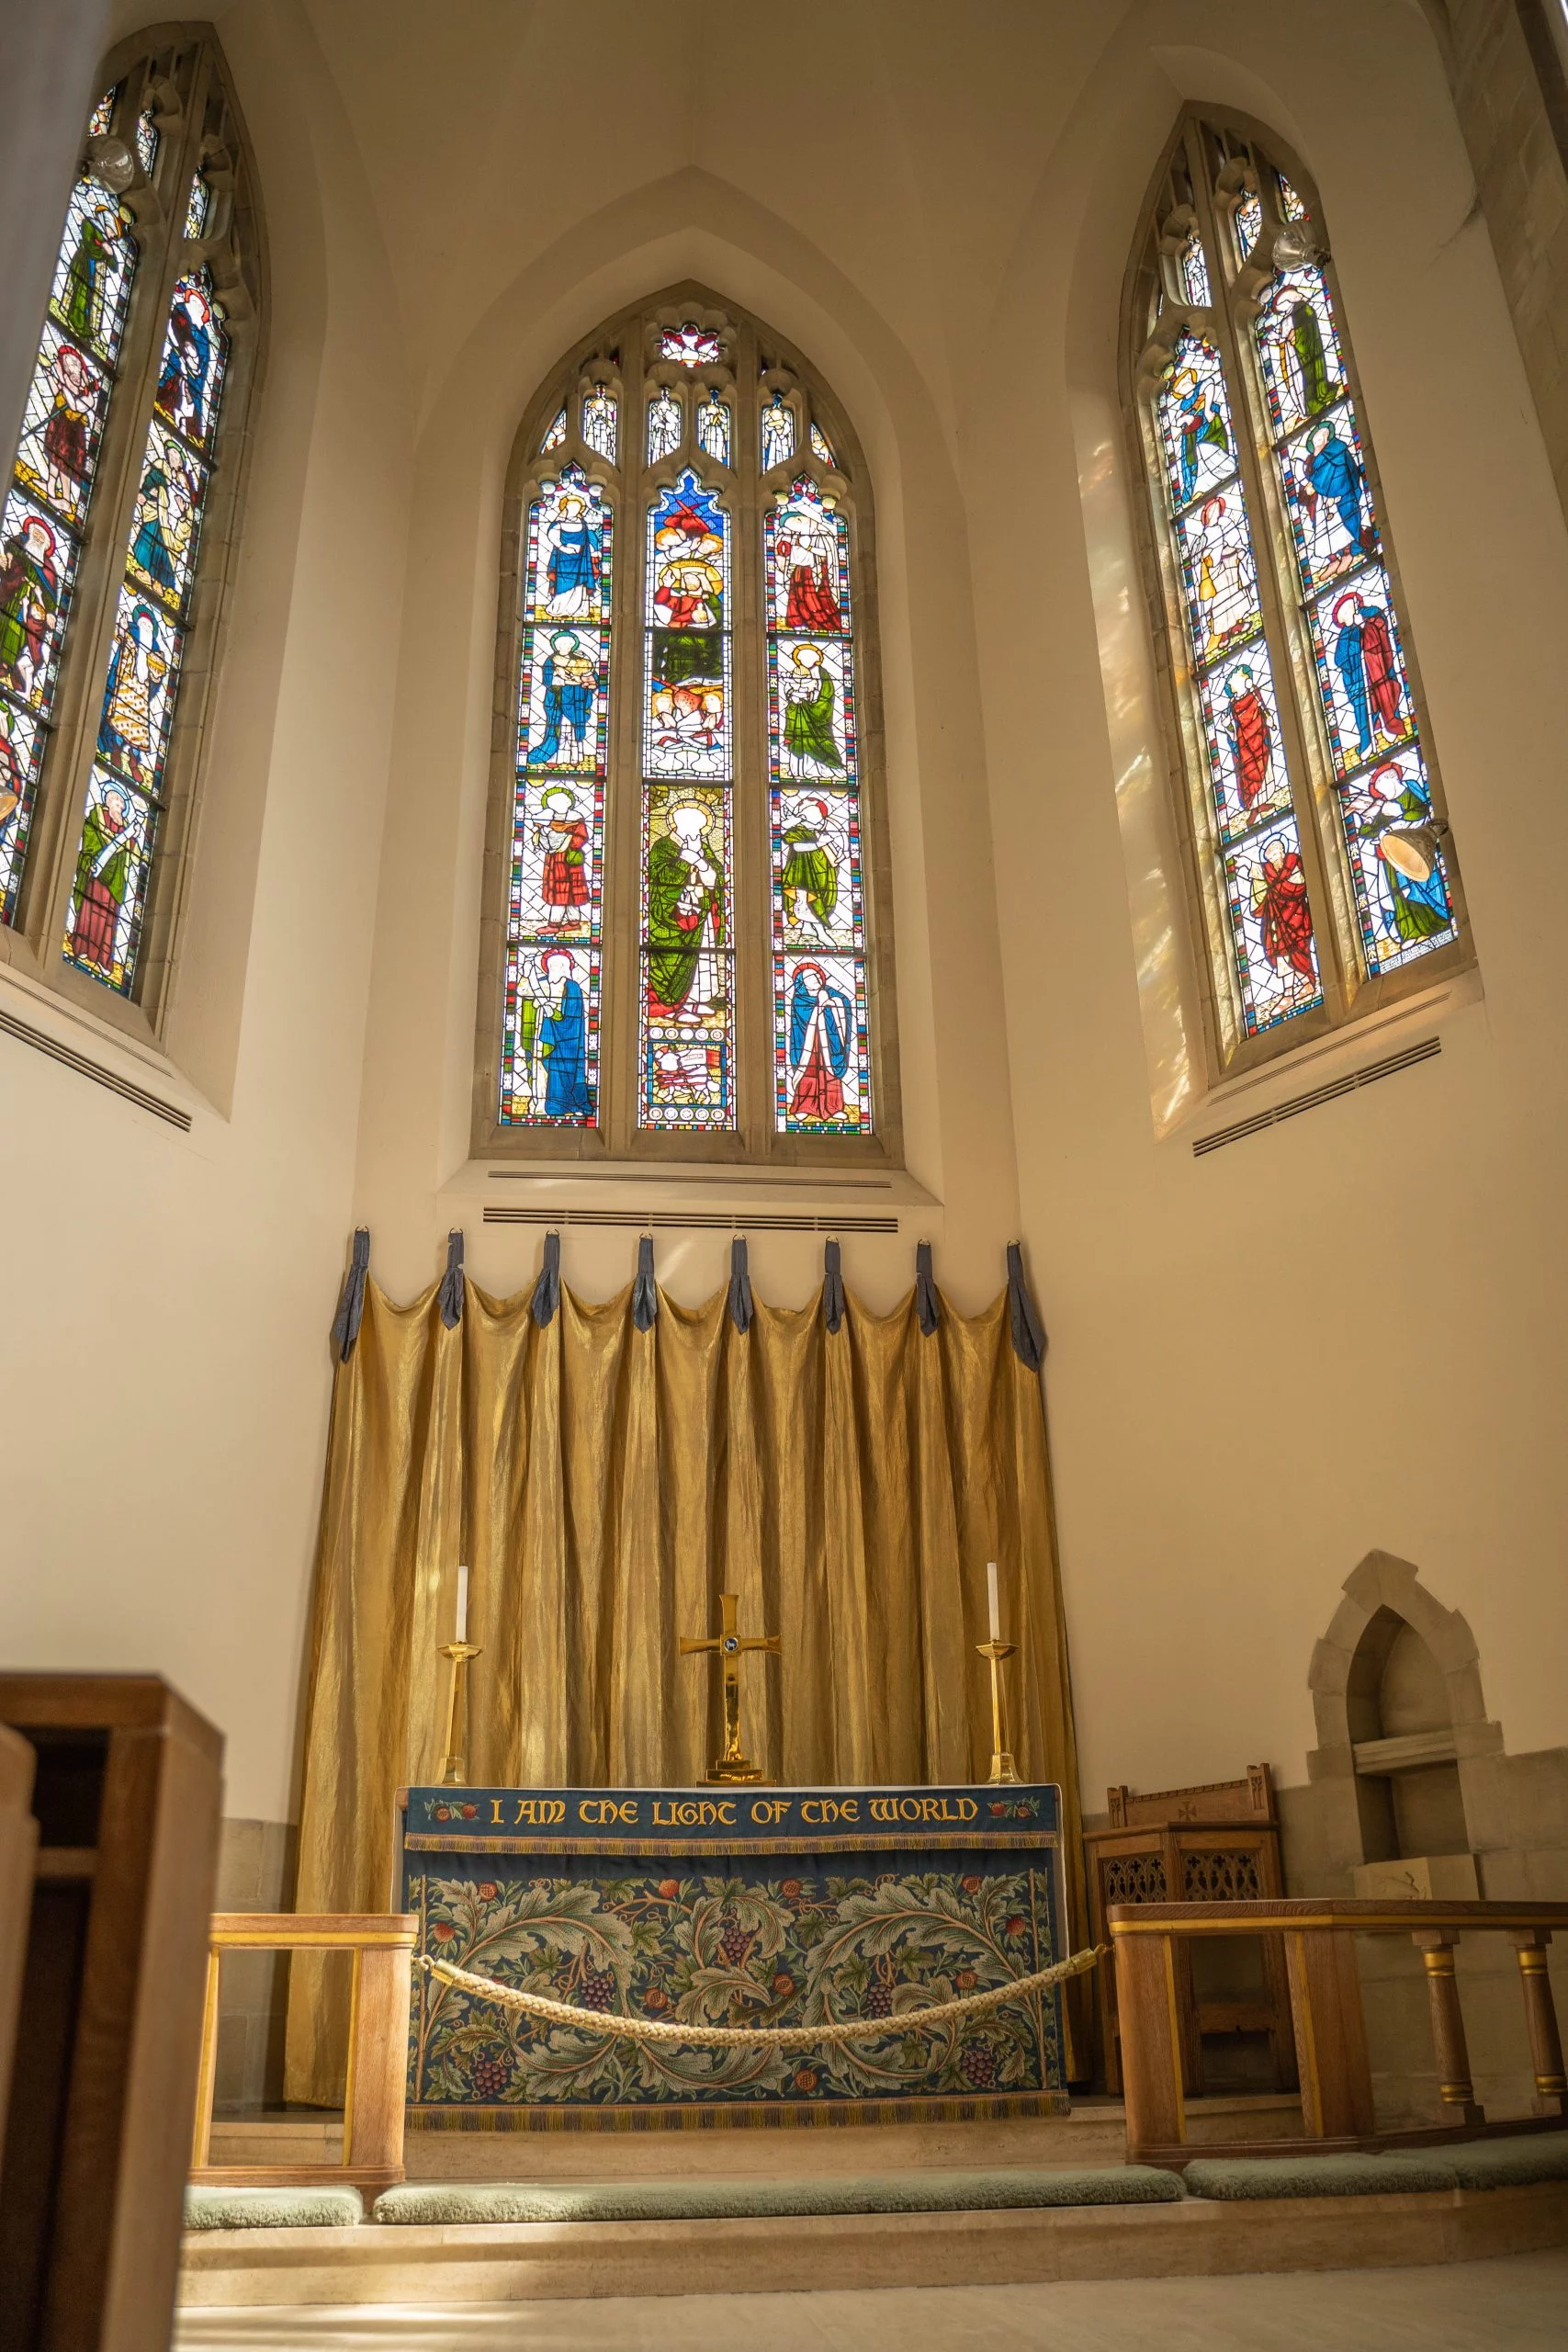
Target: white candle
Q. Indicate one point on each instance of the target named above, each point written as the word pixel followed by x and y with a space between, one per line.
pixel 463 1605
pixel 991 1598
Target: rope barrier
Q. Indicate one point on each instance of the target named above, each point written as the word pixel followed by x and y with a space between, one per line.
pixel 772 2036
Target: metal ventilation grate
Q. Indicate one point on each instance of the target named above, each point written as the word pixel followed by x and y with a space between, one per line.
pixel 696 1220
pixel 126 1088
pixel 1336 1088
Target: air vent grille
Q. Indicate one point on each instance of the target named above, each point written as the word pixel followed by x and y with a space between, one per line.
pixel 1336 1088
pixel 696 1220
pixel 68 1059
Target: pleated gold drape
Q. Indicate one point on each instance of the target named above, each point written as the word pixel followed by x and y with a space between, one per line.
pixel 603 1484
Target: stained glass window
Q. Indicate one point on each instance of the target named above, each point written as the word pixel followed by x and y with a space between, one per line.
pixel 688 777
pixel 663 427
pixel 599 421
pixel 692 345
pixel 125 796
pixel 556 434
pixel 712 428
pixel 46 508
pixel 821 447
pixel 100 741
pixel 778 432
pixel 1312 778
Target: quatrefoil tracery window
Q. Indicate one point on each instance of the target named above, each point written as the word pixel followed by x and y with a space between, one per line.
pixel 686 835
pixel 1322 869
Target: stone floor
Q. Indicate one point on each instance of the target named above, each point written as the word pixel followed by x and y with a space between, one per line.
pixel 1516 2305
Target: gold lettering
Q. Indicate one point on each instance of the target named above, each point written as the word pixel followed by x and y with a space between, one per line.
pixel 725 1809
pixel 851 1808
pixel 495 1809
pixel 556 1809
pixel 884 1808
pixel 591 1809
pixel 967 1808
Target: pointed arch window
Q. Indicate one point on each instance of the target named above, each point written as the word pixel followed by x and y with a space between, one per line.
pixel 687 840
pixel 1323 866
pixel 125 472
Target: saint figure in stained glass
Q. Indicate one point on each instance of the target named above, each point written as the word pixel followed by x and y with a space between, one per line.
pixel 807 686
pixel 821 1025
pixel 30 604
pixel 809 878
pixel 186 385
pixel 712 428
pixel 821 447
pixel 778 432
pixel 807 548
pixel 663 427
pixel 685 914
pixel 92 268
pixel 599 423
pixel 106 861
pixel 1412 895
pixel 563 839
pixel 572 560
pixel 130 729
pixel 568 675
pixel 1368 673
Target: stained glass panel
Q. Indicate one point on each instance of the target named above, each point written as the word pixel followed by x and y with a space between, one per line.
pixel 1195 423
pixel 778 432
pixel 1290 202
pixel 147 139
pixel 692 345
pixel 554 909
pixel 1265 888
pixel 822 1049
pixel 1195 273
pixel 198 204
pixel 712 428
pixel 555 435
pixel 821 447
pixel 685 1041
pixel 686 713
pixel 38 565
pixel 102 117
pixel 1248 222
pixel 1404 905
pixel 663 427
pixel 1276 954
pixel 93 275
pixel 124 804
pixel 599 423
pixel 63 425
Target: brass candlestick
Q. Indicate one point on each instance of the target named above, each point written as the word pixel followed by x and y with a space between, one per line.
pixel 1002 1766
pixel 460 1654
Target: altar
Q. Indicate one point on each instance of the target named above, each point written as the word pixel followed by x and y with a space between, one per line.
pixel 732 1906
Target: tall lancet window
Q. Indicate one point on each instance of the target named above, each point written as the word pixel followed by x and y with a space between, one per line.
pixel 1323 869
pixel 687 841
pixel 123 489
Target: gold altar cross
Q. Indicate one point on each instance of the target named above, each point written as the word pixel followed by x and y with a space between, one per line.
pixel 730 1647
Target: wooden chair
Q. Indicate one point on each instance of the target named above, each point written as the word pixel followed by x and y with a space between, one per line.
pixel 1215 1843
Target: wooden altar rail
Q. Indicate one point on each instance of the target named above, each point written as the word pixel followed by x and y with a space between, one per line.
pixel 375 2090
pixel 1326 2016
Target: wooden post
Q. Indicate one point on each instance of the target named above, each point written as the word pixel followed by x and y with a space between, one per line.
pixel 1148 2010
pixel 1540 2019
pixel 207 2070
pixel 378 2062
pixel 19 1845
pixel 1436 1946
pixel 1330 2034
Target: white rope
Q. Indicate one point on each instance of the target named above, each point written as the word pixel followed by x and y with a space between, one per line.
pixel 772 2036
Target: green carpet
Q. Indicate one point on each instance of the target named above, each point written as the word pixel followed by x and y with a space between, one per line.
pixel 1348 2176
pixel 424 2204
pixel 273 2208
pixel 1508 2163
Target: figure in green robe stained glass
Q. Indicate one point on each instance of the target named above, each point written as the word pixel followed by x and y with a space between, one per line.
pixel 810 876
pixel 103 880
pixel 685 915
pixel 807 689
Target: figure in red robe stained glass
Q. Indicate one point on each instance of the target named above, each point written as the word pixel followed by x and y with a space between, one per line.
pixel 1364 657
pixel 822 1021
pixel 1252 738
pixel 1280 898
pixel 807 547
pixel 563 882
pixel 29 597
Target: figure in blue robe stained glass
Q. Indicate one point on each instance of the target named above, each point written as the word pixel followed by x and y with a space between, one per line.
pixel 563 1042
pixel 569 674
pixel 821 1022
pixel 129 727
pixel 164 516
pixel 1364 657
pixel 1415 899
pixel 1201 425
pixel 182 383
pixel 571 570
pixel 1336 479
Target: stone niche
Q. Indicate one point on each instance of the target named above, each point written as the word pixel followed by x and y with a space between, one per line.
pixel 1411 1792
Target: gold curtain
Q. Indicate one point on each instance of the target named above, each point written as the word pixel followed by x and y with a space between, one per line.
pixel 603 1484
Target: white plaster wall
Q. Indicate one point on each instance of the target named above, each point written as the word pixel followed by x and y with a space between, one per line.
pixel 1340 1335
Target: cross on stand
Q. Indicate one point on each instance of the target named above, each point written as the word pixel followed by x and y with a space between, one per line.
pixel 731 1646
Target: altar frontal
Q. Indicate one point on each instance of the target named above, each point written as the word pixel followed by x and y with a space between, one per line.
pixel 732 1906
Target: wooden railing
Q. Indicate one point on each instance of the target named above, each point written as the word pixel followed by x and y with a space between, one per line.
pixel 1326 2016
pixel 374 2092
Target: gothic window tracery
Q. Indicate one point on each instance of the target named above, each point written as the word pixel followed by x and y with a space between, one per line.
pixel 685 966
pixel 1324 870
